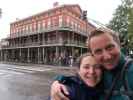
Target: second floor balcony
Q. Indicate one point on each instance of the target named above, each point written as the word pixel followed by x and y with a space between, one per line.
pixel 82 31
pixel 47 43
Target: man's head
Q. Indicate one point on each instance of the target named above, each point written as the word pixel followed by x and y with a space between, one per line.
pixel 105 47
pixel 89 70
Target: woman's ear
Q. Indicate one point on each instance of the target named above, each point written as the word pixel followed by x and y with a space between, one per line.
pixel 77 70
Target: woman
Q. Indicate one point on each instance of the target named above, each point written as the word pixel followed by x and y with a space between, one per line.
pixel 86 84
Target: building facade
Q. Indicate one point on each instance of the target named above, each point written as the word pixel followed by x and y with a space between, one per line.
pixel 50 37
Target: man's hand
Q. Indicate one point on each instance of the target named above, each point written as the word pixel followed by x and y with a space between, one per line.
pixel 58 91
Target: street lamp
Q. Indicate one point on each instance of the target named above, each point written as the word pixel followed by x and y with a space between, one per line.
pixel 0 12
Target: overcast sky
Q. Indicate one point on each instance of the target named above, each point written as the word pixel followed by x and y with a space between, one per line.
pixel 100 10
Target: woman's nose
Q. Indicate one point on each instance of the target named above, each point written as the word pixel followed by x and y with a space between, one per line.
pixel 91 70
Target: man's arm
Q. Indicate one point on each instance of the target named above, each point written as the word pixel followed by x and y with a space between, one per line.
pixel 59 91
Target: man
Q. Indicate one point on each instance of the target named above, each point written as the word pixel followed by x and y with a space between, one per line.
pixel 105 47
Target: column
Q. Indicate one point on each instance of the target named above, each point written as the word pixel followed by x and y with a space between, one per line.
pixel 28 55
pixel 43 58
pixel 81 51
pixel 57 51
pixel 20 54
pixel 72 51
pixel 38 39
pixel 38 55
pixel 42 38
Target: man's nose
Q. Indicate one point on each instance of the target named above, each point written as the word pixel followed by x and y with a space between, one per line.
pixel 106 54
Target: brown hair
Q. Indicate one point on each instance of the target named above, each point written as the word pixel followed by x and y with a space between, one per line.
pixel 79 60
pixel 100 31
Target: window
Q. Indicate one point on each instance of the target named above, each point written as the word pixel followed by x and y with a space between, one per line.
pixel 67 21
pixel 39 25
pixel 49 23
pixel 34 26
pixel 43 24
pixel 60 21
pixel 55 21
pixel 26 28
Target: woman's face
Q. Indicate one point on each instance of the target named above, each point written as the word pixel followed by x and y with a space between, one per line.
pixel 90 71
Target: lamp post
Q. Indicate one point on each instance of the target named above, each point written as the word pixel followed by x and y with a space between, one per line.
pixel 84 17
pixel 0 12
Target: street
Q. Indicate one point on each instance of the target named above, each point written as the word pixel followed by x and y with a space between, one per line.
pixel 18 83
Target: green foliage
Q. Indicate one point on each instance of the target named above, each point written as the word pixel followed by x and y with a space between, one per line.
pixel 0 12
pixel 130 27
pixel 122 22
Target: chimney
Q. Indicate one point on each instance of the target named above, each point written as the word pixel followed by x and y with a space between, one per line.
pixel 55 4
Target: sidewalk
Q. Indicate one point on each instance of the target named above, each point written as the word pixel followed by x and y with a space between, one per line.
pixel 37 67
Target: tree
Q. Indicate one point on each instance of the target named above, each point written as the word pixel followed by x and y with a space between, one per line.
pixel 0 12
pixel 120 23
pixel 130 27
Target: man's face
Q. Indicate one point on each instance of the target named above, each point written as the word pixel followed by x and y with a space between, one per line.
pixel 90 71
pixel 105 50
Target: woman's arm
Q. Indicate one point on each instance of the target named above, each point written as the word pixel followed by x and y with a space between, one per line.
pixel 59 91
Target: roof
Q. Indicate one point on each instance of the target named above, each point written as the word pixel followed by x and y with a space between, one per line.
pixel 71 7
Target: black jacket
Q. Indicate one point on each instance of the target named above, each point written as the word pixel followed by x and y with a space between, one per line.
pixel 78 90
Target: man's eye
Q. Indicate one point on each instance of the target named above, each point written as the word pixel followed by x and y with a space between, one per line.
pixel 110 47
pixel 98 52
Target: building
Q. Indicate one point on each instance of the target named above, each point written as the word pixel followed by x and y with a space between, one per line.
pixel 49 37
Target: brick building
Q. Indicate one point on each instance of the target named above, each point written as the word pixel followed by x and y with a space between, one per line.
pixel 49 37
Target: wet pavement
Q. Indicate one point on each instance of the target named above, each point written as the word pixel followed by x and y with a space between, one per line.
pixel 27 82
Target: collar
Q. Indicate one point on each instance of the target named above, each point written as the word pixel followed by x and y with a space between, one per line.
pixel 121 63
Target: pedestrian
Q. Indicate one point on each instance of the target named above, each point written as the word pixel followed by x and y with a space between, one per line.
pixel 70 61
pixel 87 83
pixel 104 45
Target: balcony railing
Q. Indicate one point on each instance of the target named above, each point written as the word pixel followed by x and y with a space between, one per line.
pixel 48 43
pixel 63 27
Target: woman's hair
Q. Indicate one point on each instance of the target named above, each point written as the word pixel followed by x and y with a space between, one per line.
pixel 79 59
